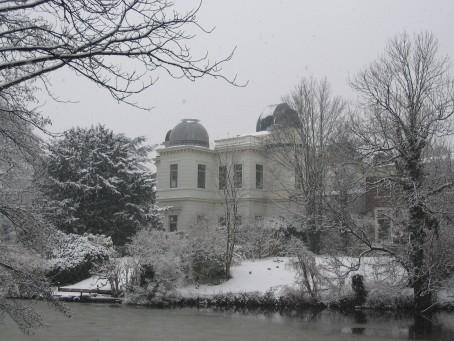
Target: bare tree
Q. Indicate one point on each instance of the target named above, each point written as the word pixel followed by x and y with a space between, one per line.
pixel 230 185
pixel 408 100
pixel 300 143
pixel 93 38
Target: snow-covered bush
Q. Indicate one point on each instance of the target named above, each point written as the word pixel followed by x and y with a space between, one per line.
pixel 207 257
pixel 309 277
pixel 162 259
pixel 382 295
pixel 97 181
pixel 74 256
pixel 119 272
pixel 260 240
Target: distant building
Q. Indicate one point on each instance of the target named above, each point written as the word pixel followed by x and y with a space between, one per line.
pixel 190 178
pixel 190 171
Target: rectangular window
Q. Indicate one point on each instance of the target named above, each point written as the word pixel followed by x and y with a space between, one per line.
pixel 201 220
pixel 259 176
pixel 298 178
pixel 173 175
pixel 258 219
pixel 384 224
pixel 173 223
pixel 201 176
pixel 222 177
pixel 238 175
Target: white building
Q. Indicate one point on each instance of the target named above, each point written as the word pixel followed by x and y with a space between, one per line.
pixel 190 175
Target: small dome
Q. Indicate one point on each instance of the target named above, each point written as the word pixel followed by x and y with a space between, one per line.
pixel 168 136
pixel 280 114
pixel 285 116
pixel 189 132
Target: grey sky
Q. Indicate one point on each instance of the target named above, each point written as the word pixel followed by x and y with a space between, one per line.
pixel 278 42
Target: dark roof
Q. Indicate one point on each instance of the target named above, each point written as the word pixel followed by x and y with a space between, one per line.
pixel 282 115
pixel 189 132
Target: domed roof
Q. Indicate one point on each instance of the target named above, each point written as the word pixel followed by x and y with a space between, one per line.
pixel 280 114
pixel 189 132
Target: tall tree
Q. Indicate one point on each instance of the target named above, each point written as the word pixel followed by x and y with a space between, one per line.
pixel 97 182
pixel 92 38
pixel 29 238
pixel 230 185
pixel 408 100
pixel 300 143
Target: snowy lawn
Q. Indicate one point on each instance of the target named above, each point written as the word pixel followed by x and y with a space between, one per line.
pixel 249 276
pixel 277 273
pixel 90 283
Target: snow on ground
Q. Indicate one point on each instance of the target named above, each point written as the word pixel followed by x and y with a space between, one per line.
pixel 249 276
pixel 90 283
pixel 446 294
pixel 93 282
pixel 277 273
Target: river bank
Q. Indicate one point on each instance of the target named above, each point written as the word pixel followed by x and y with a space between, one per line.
pixel 272 284
pixel 124 322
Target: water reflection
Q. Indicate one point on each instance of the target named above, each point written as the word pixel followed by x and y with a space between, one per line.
pixel 389 325
pixel 360 318
pixel 103 322
pixel 430 327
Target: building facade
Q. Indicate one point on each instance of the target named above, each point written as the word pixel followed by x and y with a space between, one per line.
pixel 191 178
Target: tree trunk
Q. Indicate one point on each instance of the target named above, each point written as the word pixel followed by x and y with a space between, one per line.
pixel 420 277
pixel 416 227
pixel 312 232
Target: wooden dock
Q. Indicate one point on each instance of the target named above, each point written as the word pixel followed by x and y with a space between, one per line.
pixel 86 291
pixel 92 296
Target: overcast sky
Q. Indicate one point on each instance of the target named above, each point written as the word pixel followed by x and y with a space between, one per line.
pixel 278 42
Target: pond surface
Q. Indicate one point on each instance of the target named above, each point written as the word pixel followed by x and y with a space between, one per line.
pixel 108 322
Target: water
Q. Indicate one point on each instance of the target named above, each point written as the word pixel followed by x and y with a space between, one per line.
pixel 108 322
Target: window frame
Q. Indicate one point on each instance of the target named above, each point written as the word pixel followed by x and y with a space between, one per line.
pixel 204 172
pixel 173 221
pixel 259 185
pixel 383 214
pixel 222 174
pixel 238 180
pixel 173 175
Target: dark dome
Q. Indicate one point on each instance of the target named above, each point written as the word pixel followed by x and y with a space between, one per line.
pixel 189 132
pixel 168 136
pixel 280 114
pixel 285 116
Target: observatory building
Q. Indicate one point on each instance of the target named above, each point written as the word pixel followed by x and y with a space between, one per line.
pixel 191 174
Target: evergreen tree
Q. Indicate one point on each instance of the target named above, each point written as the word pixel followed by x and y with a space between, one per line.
pixel 97 182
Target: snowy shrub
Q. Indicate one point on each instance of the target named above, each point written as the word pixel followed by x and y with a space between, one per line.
pixel 162 259
pixel 98 182
pixel 207 257
pixel 309 277
pixel 385 296
pixel 74 256
pixel 120 273
pixel 262 240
